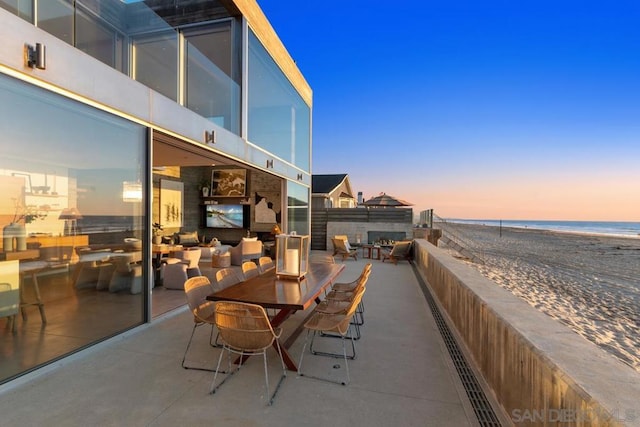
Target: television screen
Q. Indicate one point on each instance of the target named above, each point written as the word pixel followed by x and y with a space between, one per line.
pixel 224 216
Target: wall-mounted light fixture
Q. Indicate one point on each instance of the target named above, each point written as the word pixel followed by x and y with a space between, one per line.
pixel 37 56
pixel 210 136
pixel 299 177
pixel 270 163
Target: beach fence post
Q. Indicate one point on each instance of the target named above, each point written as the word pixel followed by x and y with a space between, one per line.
pixel 500 228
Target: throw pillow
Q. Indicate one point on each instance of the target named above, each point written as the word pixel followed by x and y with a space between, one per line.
pixel 188 238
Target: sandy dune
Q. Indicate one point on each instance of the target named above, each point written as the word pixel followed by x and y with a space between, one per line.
pixel 590 283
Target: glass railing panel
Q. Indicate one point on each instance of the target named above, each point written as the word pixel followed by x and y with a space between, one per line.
pixel 155 62
pixel 21 8
pixel 211 92
pixel 278 119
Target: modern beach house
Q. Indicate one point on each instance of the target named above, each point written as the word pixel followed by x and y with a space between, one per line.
pixel 121 114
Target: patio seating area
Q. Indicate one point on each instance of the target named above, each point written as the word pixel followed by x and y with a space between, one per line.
pixel 402 375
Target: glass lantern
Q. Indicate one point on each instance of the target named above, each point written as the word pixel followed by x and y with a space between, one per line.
pixel 292 256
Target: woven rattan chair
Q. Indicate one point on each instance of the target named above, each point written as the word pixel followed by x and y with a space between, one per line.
pixel 342 294
pixel 245 330
pixel 340 248
pixel 225 277
pixel 265 263
pixel 249 269
pixel 332 323
pixel 197 288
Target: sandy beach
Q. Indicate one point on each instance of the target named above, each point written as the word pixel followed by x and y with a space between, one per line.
pixel 590 283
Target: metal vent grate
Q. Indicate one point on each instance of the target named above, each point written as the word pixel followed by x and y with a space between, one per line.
pixel 479 402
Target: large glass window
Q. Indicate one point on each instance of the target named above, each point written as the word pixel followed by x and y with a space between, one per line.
pixel 298 208
pixel 278 119
pixel 211 90
pixel 71 243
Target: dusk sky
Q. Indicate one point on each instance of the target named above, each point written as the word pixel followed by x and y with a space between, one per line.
pixel 477 109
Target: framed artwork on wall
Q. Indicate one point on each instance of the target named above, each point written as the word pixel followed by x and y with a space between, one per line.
pixel 171 203
pixel 228 182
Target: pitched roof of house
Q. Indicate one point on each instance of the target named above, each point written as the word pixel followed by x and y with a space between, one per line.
pixel 324 184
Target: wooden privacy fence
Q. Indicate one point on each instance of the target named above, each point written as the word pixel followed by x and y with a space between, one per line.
pixel 320 218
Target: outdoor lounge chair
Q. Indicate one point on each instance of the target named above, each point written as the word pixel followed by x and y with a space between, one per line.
pixel 400 250
pixel 340 248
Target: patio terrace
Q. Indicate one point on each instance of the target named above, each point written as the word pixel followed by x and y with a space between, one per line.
pixel 403 374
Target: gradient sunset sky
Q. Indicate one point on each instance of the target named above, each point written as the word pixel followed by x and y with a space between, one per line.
pixel 477 109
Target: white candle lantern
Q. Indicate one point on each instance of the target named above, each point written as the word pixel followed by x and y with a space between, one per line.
pixel 292 256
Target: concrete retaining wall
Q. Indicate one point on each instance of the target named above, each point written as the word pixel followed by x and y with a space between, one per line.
pixel 540 371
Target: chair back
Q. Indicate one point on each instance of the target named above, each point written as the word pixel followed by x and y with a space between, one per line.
pixel 345 239
pixel 197 289
pixel 251 249
pixel 339 246
pixel 190 255
pixel 265 263
pixel 226 277
pixel 244 327
pixel 343 326
pixel 401 249
pixel 249 269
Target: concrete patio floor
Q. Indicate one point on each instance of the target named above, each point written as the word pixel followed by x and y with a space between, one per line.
pixel 402 375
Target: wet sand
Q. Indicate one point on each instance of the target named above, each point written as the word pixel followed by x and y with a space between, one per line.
pixel 590 283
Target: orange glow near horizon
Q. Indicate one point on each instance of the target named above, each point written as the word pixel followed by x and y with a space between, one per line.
pixel 579 199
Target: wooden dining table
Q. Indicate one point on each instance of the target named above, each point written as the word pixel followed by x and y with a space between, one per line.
pixel 285 295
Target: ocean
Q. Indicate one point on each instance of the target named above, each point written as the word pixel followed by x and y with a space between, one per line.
pixel 90 224
pixel 607 228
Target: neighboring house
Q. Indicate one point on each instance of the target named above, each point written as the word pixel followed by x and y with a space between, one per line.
pixel 331 191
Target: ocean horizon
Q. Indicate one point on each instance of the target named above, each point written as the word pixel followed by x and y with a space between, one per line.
pixel 606 228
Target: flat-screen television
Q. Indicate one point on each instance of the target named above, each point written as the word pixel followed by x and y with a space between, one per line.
pixel 226 216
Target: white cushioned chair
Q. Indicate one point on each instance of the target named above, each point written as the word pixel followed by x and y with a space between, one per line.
pixel 247 249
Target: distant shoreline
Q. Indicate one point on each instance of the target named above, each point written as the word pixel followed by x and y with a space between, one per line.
pixel 624 229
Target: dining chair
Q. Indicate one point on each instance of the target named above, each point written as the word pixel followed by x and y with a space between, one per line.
pixel 225 277
pixel 196 289
pixel 245 330
pixel 249 269
pixel 332 323
pixel 265 263
pixel 341 291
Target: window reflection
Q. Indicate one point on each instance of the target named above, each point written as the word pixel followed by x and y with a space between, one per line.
pixel 298 208
pixel 278 118
pixel 156 62
pixel 211 90
pixel 75 244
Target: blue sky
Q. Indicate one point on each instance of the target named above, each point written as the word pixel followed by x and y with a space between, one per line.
pixel 477 109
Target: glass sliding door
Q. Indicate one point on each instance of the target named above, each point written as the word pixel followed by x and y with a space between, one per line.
pixel 68 234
